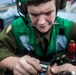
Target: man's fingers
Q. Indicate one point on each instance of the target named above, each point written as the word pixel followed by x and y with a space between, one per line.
pixel 58 69
pixel 35 63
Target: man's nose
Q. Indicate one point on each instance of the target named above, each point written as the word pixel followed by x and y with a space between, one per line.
pixel 41 20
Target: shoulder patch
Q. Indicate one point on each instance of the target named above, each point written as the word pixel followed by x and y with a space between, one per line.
pixel 9 28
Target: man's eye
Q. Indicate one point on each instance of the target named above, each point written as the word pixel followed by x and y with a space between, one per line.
pixel 48 13
pixel 35 15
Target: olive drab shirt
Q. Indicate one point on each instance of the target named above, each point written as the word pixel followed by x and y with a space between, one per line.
pixel 9 42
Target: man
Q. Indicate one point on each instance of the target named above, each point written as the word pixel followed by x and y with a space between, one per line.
pixel 37 36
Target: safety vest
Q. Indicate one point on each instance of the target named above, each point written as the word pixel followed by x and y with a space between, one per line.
pixel 25 36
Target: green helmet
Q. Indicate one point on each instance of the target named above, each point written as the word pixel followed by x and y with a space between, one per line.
pixel 22 1
pixel 62 3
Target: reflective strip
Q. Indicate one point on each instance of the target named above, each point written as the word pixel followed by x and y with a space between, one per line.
pixel 60 42
pixel 9 28
pixel 25 42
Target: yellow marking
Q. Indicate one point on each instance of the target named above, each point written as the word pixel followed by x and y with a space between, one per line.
pixel 9 28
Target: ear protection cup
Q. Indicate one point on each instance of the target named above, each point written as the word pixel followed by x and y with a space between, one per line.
pixel 62 4
pixel 21 7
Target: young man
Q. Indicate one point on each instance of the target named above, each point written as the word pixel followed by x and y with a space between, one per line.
pixel 37 36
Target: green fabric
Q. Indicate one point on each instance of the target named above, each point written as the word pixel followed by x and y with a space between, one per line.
pixel 20 28
pixel 23 1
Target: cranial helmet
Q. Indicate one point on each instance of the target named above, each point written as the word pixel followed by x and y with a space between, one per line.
pixel 21 5
pixel 60 4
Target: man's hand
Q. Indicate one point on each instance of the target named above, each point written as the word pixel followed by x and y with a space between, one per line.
pixel 63 68
pixel 27 65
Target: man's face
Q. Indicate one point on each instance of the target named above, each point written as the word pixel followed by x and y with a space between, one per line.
pixel 42 14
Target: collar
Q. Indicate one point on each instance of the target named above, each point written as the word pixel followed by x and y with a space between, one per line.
pixel 41 36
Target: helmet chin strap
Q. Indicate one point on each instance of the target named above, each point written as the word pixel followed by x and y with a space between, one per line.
pixel 52 23
pixel 22 16
pixel 49 23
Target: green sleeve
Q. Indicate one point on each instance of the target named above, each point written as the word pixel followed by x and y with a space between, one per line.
pixel 73 31
pixel 7 44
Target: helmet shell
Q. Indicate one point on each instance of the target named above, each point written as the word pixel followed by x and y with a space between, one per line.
pixel 22 1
